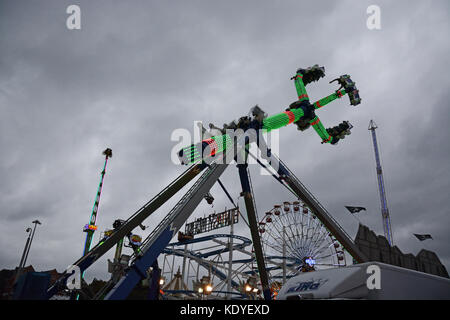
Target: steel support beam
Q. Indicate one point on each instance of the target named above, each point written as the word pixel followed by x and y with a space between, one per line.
pixel 165 231
pixel 253 224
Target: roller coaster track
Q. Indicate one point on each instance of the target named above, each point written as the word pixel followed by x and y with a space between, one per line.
pixel 199 257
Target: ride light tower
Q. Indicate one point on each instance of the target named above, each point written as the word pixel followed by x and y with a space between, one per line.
pixel 384 208
pixel 91 227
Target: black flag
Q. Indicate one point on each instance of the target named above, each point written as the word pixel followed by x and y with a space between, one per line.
pixel 355 209
pixel 422 237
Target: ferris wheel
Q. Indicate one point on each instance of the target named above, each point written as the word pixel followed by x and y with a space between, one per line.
pixel 295 241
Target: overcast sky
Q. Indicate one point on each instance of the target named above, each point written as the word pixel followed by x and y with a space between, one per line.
pixel 137 70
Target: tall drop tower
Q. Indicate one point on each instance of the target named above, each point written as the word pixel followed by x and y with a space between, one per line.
pixel 381 189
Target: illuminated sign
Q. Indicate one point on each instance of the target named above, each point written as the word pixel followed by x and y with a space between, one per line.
pixel 310 261
pixel 212 222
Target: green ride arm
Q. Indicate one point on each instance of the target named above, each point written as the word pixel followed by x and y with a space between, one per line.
pixel 320 129
pixel 316 123
pixel 280 120
pixel 299 85
pixel 218 144
pixel 324 101
pixel 194 152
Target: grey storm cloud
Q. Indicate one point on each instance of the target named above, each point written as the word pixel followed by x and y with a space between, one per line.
pixel 138 70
